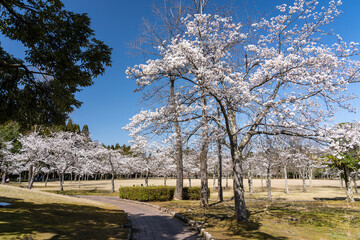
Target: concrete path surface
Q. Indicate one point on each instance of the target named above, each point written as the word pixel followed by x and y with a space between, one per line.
pixel 150 223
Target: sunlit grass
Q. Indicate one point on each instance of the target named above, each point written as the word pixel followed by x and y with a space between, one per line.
pixel 276 220
pixel 38 215
pixel 289 216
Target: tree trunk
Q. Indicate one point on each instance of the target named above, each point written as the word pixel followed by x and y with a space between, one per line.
pixel 20 178
pixel 31 176
pixel 238 186
pixel 220 191
pixel 3 179
pixel 62 176
pixel 46 179
pixel 147 179
pixel 204 202
pixel 227 181
pixel 262 183
pixel 268 183
pixel 165 178
pixel 112 182
pixel 341 181
pixel 286 180
pixel 178 145
pixel 304 180
pixel 204 198
pixel 189 181
pixel 355 184
pixel 250 180
pixel 349 192
pixel 214 181
pixel 79 180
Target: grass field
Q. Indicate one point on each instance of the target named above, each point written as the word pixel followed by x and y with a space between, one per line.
pixel 39 215
pixel 320 189
pixel 289 216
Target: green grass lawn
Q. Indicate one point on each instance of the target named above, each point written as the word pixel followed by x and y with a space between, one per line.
pixel 288 216
pixel 276 220
pixel 37 215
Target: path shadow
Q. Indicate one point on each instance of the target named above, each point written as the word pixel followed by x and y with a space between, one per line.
pixel 60 221
pixel 160 227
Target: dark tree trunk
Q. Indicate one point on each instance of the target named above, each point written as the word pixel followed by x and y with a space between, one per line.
pixel 341 182
pixel 220 191
pixel 204 199
pixel 62 177
pixel 112 182
pixel 286 180
pixel 3 179
pixel 31 176
pixel 268 183
pixel 147 179
pixel 349 192
pixel 303 175
pixel 20 178
pixel 250 179
pixel 227 181
pixel 178 145
pixel 238 186
pixel 47 179
pixel 355 184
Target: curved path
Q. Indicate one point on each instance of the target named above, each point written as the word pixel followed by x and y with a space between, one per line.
pixel 150 223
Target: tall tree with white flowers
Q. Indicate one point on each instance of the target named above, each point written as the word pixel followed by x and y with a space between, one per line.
pixel 285 80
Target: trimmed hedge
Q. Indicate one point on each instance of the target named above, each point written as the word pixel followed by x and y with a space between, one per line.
pixel 193 193
pixel 145 194
pixel 159 193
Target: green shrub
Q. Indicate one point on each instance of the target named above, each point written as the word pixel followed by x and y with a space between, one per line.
pixel 159 193
pixel 145 194
pixel 193 193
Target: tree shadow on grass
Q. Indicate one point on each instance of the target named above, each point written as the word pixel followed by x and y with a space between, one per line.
pixel 250 230
pixel 25 220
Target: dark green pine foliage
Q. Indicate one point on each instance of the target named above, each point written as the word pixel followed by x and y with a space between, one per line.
pixel 9 132
pixel 85 131
pixel 126 149
pixel 62 57
pixel 72 127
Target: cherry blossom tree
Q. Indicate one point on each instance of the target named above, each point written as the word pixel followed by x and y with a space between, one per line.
pixel 5 159
pixel 283 81
pixel 35 153
pixel 345 146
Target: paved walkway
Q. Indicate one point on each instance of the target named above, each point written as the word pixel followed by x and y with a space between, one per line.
pixel 150 223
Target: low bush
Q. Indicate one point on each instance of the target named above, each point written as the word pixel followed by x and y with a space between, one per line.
pixel 193 193
pixel 146 194
pixel 159 193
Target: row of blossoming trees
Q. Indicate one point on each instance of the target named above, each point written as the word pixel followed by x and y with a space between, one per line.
pixel 69 153
pixel 215 81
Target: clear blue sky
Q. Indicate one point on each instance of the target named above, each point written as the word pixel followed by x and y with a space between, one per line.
pixel 110 102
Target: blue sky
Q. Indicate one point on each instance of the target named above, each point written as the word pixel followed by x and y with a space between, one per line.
pixel 110 102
